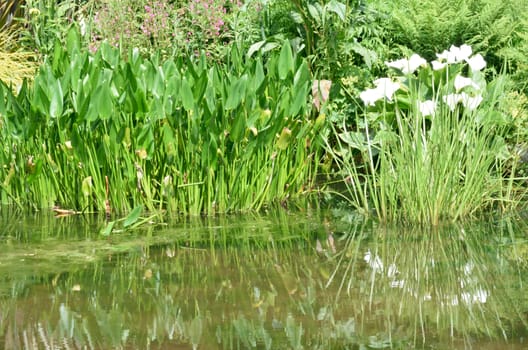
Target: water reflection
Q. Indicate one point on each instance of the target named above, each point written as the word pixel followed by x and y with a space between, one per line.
pixel 277 281
pixel 457 282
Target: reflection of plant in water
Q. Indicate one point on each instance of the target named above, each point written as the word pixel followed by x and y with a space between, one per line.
pixel 444 282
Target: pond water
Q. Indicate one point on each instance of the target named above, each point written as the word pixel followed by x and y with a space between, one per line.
pixel 279 280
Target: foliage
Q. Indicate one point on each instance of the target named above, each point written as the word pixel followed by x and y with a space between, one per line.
pixel 336 36
pixel 198 26
pixel 145 24
pixel 15 65
pixel 9 10
pixel 492 27
pixel 182 135
pixel 45 22
pixel 431 143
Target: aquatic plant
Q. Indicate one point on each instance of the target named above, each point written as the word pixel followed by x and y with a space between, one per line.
pixel 430 145
pixel 181 135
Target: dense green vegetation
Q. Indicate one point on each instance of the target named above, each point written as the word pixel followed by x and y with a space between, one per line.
pixel 206 106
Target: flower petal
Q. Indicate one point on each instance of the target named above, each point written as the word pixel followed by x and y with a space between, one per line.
pixel 437 65
pixel 451 100
pixel 476 62
pixel 386 87
pixel 470 102
pixel 427 108
pixel 370 96
pixel 461 82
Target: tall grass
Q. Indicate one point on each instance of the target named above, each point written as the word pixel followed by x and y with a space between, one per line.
pixel 405 166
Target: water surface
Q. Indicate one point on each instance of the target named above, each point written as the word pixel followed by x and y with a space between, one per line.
pixel 280 280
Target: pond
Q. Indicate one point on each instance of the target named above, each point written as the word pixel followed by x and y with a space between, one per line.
pixel 277 280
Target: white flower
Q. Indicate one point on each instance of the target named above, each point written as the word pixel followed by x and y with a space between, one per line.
pixel 470 102
pixel 370 96
pixel 476 62
pixel 447 56
pixel 451 100
pixel 461 82
pixel 437 65
pixel 408 66
pixel 387 86
pixel 427 108
pixel 456 54
pixel 464 52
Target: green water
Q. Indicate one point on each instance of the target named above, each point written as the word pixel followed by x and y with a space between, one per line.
pixel 279 280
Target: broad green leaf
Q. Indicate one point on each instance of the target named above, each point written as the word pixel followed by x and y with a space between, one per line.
pixel 354 139
pixel 73 40
pixel 40 100
pixel 133 216
pixel 210 99
pixel 255 47
pixel 315 12
pixel 103 102
pixel 259 76
pixel 300 97
pixel 187 96
pixel 302 75
pixel 237 91
pixel 285 65
pixel 368 56
pixel 57 100
pixel 238 127
pixel 338 8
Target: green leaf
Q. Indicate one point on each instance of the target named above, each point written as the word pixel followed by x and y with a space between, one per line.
pixel 259 76
pixel 255 47
pixel 285 60
pixel 102 101
pixel 187 96
pixel 57 100
pixel 354 139
pixel 302 75
pixel 237 92
pixel 338 8
pixel 133 216
pixel 284 139
pixel 2 99
pixel 108 229
pixel 299 100
pixel 315 11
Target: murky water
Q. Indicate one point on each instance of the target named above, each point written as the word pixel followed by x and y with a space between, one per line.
pixel 274 281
